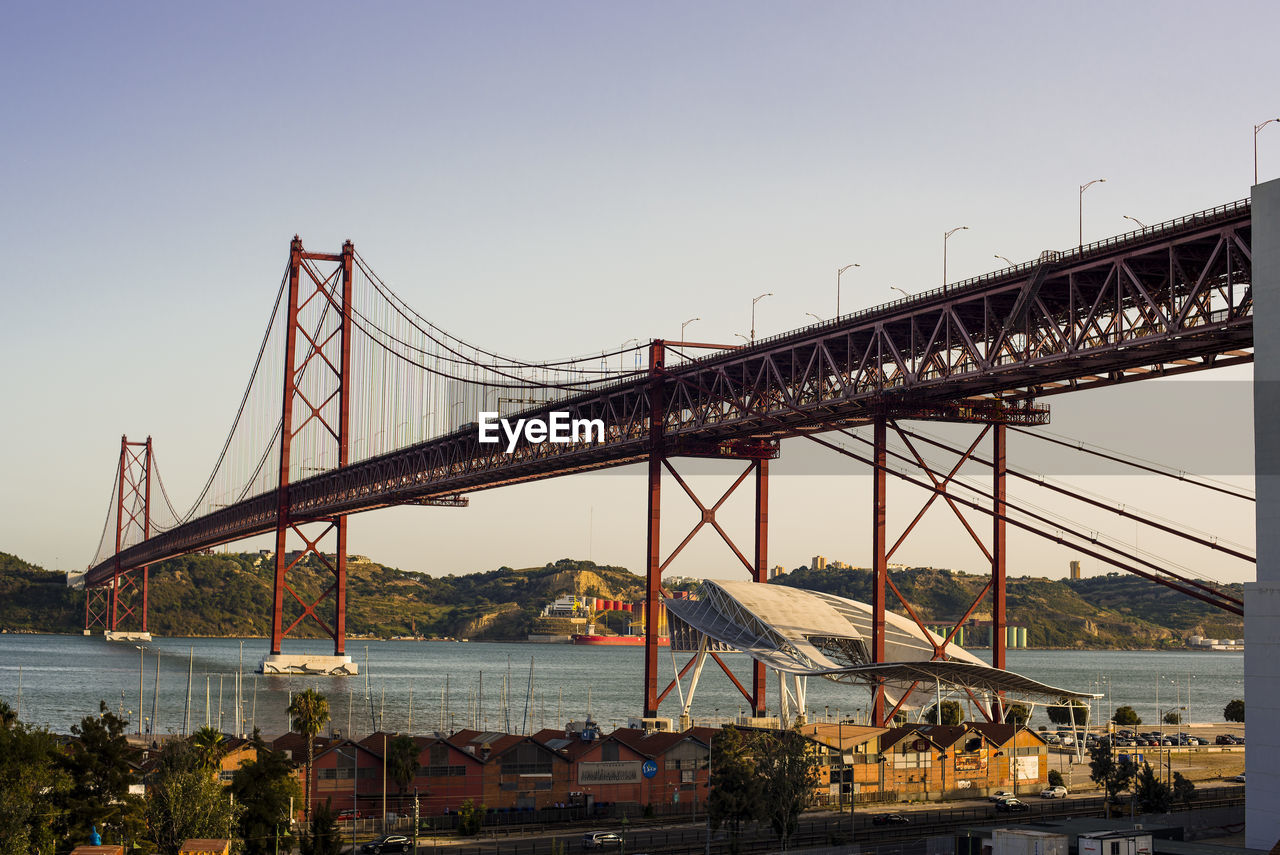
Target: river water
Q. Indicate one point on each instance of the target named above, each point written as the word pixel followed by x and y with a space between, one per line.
pixel 419 687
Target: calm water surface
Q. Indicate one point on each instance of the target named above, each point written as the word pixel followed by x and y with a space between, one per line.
pixel 448 685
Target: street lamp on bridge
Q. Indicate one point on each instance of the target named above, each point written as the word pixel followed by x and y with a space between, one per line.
pixel 1005 260
pixel 840 273
pixel 900 291
pixel 946 237
pixel 1256 129
pixel 753 312
pixel 1084 187
pixel 685 324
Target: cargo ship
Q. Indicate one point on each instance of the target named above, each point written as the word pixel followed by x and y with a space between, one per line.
pixel 618 640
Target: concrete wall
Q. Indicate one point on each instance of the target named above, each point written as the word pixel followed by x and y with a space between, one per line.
pixel 1262 598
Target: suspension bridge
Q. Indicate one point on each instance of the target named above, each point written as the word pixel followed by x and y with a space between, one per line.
pixel 356 401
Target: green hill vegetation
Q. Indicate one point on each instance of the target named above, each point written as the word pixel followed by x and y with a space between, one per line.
pixel 230 595
pixel 1112 611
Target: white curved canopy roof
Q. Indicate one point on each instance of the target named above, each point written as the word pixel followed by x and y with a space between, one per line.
pixel 812 634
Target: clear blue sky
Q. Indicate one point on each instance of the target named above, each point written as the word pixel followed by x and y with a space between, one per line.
pixel 561 177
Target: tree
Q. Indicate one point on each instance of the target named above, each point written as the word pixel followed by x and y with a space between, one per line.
pixel 736 791
pixel 1172 717
pixel 1018 714
pixel 470 818
pixel 1109 773
pixel 308 713
pixel 1234 710
pixel 1066 710
pixel 325 838
pixel 952 713
pixel 1183 790
pixel 266 787
pixel 210 746
pixel 8 718
pixel 1126 716
pixel 402 762
pixel 185 800
pixel 99 766
pixel 1153 795
pixel 1055 778
pixel 788 772
pixel 33 790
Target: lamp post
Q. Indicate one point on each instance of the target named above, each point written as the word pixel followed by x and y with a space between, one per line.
pixel 753 312
pixel 900 291
pixel 815 317
pixel 1084 187
pixel 1256 129
pixel 1141 224
pixel 685 324
pixel 946 237
pixel 1005 260
pixel 636 342
pixel 841 271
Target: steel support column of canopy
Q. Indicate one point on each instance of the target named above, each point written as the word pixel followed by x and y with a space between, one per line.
pixel 327 328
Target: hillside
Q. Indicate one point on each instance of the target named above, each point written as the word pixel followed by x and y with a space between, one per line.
pixel 230 595
pixel 1111 611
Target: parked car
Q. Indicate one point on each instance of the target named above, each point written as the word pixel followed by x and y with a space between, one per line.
pixel 1012 806
pixel 1053 793
pixel 889 819
pixel 601 839
pixel 1224 739
pixel 348 815
pixel 1000 795
pixel 1239 779
pixel 387 843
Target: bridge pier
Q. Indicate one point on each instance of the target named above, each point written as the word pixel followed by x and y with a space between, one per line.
pixel 305 341
pixel 661 452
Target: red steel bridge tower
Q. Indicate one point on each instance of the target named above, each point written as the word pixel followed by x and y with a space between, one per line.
pixel 120 606
pixel 317 401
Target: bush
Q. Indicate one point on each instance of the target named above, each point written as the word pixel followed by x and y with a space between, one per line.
pixel 1234 710
pixel 1126 716
pixel 1055 778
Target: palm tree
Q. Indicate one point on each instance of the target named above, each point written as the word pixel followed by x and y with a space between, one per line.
pixel 209 744
pixel 8 718
pixel 308 713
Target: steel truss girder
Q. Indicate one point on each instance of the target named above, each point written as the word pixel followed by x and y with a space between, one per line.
pixel 1167 300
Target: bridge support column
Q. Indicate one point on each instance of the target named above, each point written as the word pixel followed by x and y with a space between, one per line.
pixel 758 686
pixel 653 554
pixel 661 451
pixel 315 377
pixel 879 562
pixel 998 556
